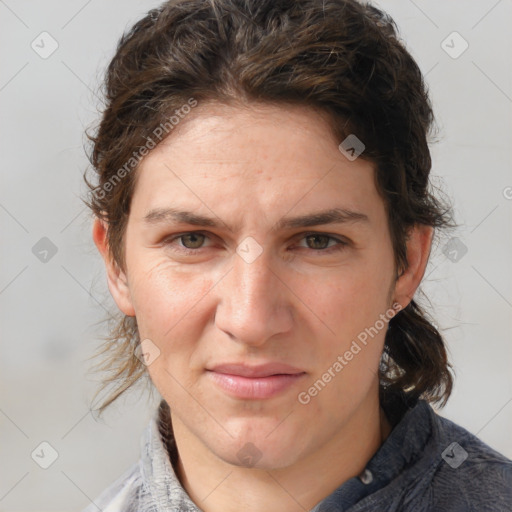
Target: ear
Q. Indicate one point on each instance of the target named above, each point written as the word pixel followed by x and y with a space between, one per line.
pixel 419 243
pixel 116 278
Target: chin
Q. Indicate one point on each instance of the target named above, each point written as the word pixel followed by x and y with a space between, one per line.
pixel 261 443
pixel 249 456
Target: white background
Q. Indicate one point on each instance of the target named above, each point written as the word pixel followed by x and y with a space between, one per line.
pixel 49 311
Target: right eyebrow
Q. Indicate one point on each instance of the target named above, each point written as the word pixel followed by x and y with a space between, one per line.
pixel 168 215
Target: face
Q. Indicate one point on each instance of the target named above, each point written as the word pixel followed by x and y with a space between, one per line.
pixel 281 263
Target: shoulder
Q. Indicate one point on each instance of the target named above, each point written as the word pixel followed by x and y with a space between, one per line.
pixel 467 474
pixel 121 495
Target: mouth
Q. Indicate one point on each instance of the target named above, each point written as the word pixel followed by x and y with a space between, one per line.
pixel 255 382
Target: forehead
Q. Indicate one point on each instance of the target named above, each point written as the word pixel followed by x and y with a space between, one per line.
pixel 229 132
pixel 265 155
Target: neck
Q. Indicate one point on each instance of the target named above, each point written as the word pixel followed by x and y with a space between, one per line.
pixel 217 486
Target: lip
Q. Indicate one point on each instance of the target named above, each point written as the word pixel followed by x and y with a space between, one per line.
pixel 260 370
pixel 255 382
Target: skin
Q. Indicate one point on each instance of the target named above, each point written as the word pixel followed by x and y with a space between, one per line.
pixel 299 302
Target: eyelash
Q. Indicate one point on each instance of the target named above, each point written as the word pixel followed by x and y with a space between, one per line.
pixel 340 245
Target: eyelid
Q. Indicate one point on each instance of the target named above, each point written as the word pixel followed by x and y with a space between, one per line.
pixel 338 238
pixel 177 236
pixel 341 241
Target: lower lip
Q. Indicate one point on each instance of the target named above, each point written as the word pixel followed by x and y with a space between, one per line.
pixel 256 388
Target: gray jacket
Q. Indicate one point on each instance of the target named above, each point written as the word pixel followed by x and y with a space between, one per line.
pixel 426 464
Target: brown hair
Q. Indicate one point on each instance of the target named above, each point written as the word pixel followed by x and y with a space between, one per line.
pixel 338 56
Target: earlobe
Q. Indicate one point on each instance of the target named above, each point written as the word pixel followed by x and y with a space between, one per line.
pixel 418 251
pixel 116 279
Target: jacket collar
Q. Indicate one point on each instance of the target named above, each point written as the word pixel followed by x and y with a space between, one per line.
pixel 413 424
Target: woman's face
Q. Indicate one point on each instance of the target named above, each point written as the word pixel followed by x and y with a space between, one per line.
pixel 249 277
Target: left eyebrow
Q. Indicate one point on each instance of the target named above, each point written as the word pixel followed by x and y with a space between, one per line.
pixel 331 216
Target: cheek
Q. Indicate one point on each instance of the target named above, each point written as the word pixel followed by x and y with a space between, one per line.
pixel 349 302
pixel 170 311
pixel 349 352
pixel 166 300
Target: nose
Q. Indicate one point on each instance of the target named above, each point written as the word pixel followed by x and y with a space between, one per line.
pixel 255 304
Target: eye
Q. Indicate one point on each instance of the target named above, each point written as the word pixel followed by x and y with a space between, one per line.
pixel 192 240
pixel 189 243
pixel 320 242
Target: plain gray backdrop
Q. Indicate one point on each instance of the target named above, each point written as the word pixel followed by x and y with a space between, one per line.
pixel 52 283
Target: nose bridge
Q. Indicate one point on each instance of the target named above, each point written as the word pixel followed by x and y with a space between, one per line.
pixel 253 303
pixel 252 280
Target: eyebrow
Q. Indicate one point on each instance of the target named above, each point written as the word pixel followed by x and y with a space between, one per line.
pixel 331 216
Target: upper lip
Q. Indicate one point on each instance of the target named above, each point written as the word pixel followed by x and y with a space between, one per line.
pixel 261 370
